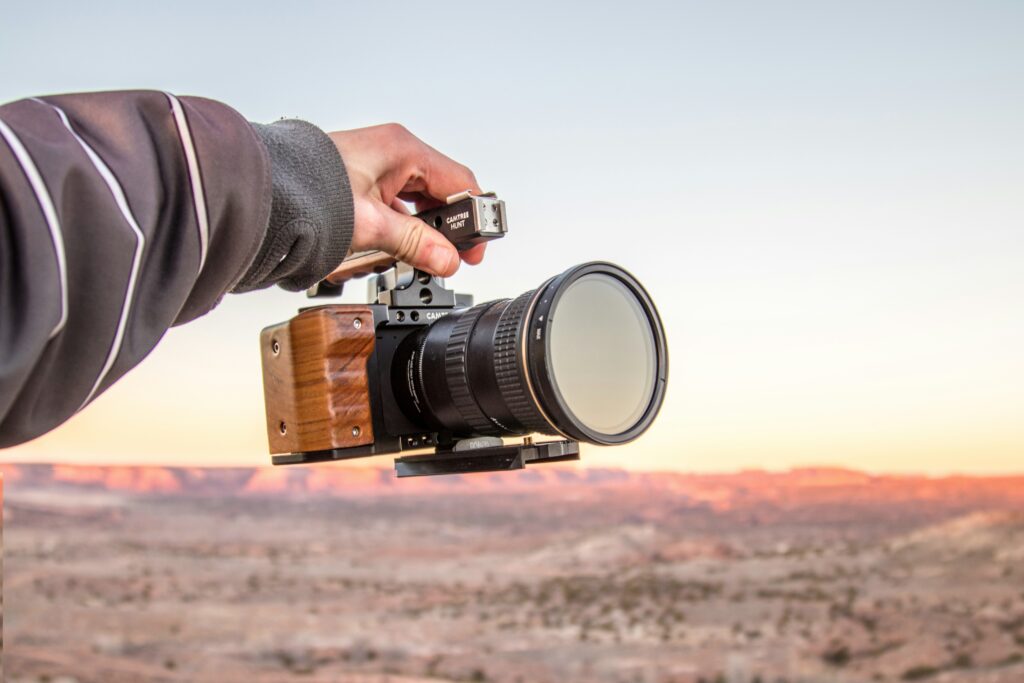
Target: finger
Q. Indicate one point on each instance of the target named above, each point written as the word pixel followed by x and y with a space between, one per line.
pixel 473 256
pixel 444 177
pixel 409 239
pixel 425 169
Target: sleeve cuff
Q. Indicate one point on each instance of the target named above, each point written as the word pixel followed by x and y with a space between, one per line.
pixel 311 215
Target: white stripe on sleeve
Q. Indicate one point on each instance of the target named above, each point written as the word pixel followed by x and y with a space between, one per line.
pixel 198 197
pixel 35 179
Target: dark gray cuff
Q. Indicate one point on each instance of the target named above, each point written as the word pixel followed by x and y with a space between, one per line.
pixel 311 213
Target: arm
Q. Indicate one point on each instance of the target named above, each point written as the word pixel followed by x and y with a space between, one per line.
pixel 122 214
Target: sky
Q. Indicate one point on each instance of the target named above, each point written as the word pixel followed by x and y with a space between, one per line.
pixel 825 199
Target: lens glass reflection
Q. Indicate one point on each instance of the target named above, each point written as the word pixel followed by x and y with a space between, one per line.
pixel 602 353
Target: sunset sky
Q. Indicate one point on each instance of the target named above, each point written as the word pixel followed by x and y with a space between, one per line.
pixel 826 200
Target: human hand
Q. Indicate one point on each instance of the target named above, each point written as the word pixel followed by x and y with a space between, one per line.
pixel 388 166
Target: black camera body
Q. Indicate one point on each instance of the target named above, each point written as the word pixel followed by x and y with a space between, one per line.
pixel 581 358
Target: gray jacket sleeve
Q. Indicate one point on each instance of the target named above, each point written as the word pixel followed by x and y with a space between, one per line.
pixel 124 213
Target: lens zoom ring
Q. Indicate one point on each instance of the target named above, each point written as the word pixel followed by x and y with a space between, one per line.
pixel 456 372
pixel 508 368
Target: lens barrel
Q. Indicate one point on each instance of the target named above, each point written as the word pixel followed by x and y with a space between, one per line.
pixel 583 356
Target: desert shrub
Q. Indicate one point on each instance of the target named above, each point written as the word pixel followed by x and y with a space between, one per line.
pixel 919 673
pixel 963 661
pixel 837 654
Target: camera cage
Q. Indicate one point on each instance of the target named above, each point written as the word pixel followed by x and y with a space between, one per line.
pixel 400 296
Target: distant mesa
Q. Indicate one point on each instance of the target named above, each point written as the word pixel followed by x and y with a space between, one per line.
pixel 722 492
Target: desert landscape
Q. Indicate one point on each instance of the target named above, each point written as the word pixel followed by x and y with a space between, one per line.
pixel 550 575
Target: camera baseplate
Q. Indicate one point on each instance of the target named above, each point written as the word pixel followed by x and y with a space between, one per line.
pixel 490 455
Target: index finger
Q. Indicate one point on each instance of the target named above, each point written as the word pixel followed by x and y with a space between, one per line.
pixel 444 177
pixel 434 174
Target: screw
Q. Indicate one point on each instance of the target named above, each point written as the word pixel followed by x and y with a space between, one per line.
pixel 356 431
pixel 357 323
pixel 283 427
pixel 275 347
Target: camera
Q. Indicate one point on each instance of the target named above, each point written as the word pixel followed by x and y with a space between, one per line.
pixel 583 358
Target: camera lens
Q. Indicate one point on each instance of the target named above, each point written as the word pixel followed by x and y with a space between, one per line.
pixel 583 356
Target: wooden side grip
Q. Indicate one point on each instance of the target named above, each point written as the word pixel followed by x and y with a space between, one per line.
pixel 315 381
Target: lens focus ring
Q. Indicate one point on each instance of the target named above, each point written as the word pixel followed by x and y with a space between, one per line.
pixel 456 372
pixel 509 370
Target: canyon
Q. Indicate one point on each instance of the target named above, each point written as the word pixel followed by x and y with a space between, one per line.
pixel 346 574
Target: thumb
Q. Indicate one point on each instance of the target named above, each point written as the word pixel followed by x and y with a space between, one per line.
pixel 412 241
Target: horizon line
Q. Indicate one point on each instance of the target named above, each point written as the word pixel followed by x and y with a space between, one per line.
pixel 351 464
